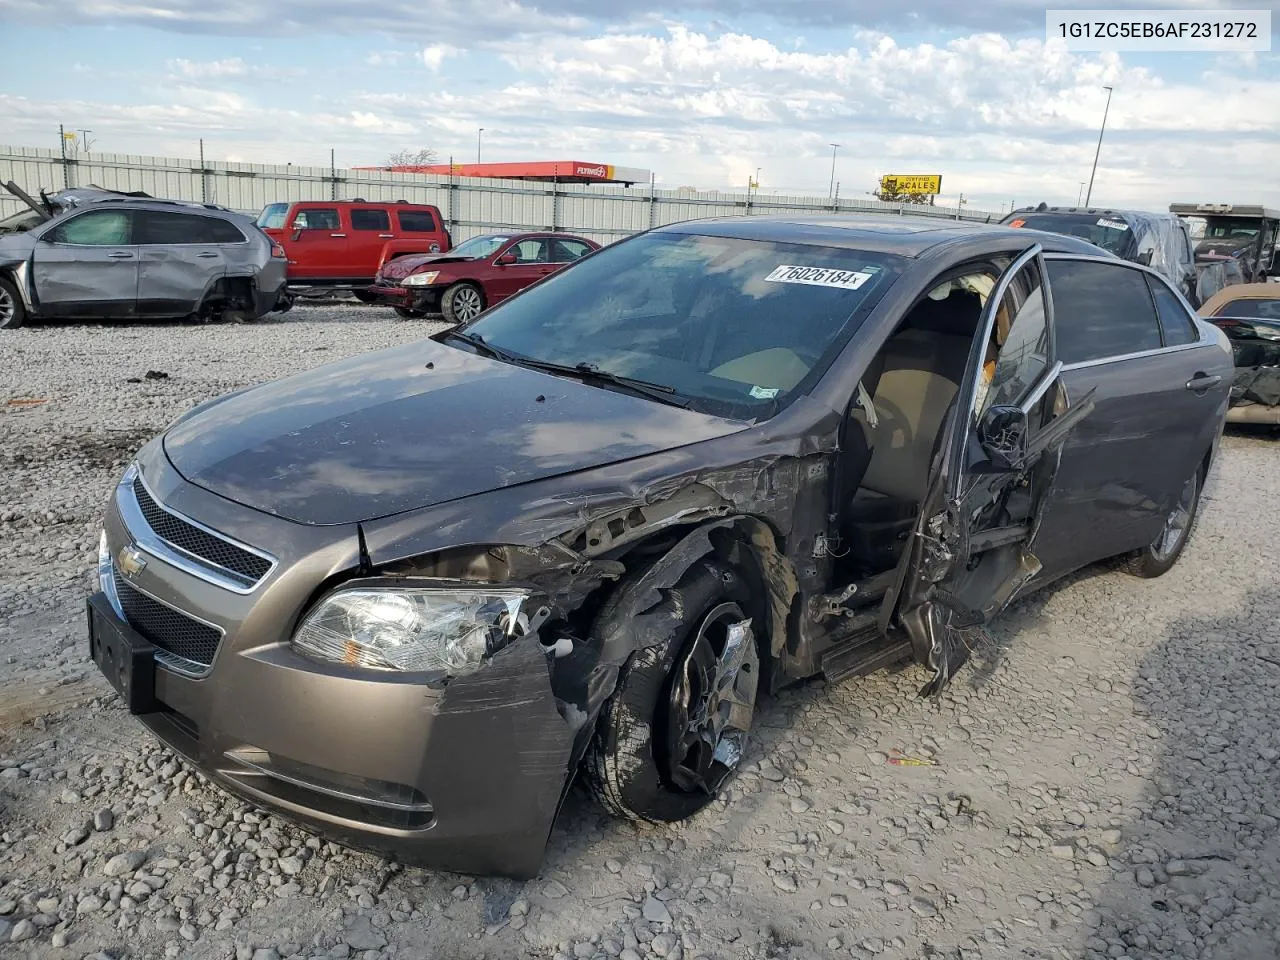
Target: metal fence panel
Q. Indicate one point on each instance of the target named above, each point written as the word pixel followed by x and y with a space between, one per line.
pixel 470 206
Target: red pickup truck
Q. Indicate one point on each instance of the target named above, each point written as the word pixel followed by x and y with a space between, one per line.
pixel 343 243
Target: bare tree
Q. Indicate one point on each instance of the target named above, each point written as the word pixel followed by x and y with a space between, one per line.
pixel 925 199
pixel 412 158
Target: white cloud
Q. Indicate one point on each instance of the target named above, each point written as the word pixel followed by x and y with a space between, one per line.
pixel 434 54
pixel 198 70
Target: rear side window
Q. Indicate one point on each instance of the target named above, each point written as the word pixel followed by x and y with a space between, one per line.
pixel 1175 323
pixel 363 219
pixel 416 221
pixel 1101 310
pixel 569 250
pixel 317 218
pixel 101 228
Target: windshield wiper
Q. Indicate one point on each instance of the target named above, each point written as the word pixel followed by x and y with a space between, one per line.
pixel 586 372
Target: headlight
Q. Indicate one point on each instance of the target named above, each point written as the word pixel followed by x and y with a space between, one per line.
pixel 421 279
pixel 416 629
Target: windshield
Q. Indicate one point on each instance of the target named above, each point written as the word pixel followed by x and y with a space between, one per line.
pixel 21 222
pixel 272 216
pixel 478 247
pixel 738 328
pixel 1110 233
pixel 1231 228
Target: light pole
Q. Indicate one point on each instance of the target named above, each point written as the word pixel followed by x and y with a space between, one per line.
pixel 84 139
pixel 832 189
pixel 1096 153
pixel 479 134
pixel 1080 193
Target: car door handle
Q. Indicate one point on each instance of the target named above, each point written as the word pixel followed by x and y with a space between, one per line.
pixel 386 236
pixel 120 255
pixel 1201 383
pixel 206 255
pixel 340 235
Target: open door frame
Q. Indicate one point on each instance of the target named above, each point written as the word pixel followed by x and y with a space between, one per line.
pixel 972 549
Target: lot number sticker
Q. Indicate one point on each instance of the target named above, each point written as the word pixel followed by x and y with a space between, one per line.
pixel 818 276
pixel 1113 224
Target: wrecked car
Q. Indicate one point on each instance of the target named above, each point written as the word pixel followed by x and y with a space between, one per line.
pixel 409 597
pixel 109 256
pixel 474 275
pixel 1249 314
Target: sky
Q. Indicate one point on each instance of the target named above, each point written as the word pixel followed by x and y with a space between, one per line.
pixel 701 92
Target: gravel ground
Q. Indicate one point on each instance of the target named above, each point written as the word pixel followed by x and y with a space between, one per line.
pixel 1106 781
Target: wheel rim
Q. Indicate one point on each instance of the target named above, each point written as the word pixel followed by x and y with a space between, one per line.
pixel 713 696
pixel 466 303
pixel 7 307
pixel 1176 524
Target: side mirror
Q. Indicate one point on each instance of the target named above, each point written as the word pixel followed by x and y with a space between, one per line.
pixel 506 260
pixel 1144 257
pixel 1002 432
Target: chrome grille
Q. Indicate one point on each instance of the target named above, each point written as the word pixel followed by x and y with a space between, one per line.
pixel 199 543
pixel 172 631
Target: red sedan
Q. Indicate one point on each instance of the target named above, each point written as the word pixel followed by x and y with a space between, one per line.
pixel 474 275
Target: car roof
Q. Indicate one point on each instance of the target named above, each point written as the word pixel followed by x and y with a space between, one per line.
pixel 399 204
pixel 1240 291
pixel 168 206
pixel 905 236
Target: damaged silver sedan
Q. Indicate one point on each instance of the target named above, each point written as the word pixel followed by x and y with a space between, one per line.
pixel 409 597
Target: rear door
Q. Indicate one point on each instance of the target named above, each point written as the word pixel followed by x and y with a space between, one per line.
pixel 1154 394
pixel 179 261
pixel 974 545
pixel 532 263
pixel 316 242
pixel 87 266
pixel 369 233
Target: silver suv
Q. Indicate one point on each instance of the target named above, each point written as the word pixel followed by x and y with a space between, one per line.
pixel 124 257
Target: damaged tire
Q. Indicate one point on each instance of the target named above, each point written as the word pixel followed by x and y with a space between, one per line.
pixel 13 311
pixel 1159 557
pixel 676 726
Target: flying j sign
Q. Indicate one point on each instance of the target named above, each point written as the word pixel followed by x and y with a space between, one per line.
pixel 929 183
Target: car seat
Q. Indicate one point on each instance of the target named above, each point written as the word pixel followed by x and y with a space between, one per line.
pixel 920 370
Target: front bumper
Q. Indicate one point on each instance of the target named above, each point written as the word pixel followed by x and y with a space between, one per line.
pixel 411 298
pixel 466 775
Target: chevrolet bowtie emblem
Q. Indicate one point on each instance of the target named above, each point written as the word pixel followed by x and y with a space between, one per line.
pixel 131 561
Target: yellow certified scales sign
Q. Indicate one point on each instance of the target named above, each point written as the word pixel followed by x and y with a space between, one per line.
pixel 930 183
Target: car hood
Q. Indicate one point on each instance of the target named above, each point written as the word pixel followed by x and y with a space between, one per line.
pixel 401 267
pixel 413 427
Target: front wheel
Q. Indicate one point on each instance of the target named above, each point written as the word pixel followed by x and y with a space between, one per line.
pixel 364 296
pixel 13 311
pixel 1158 557
pixel 404 313
pixel 462 302
pixel 676 726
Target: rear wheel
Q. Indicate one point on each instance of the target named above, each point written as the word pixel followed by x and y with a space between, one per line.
pixel 462 302
pixel 1158 557
pixel 13 313
pixel 676 726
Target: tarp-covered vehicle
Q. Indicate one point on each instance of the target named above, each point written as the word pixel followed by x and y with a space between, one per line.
pixel 1158 240
pixel 1249 314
